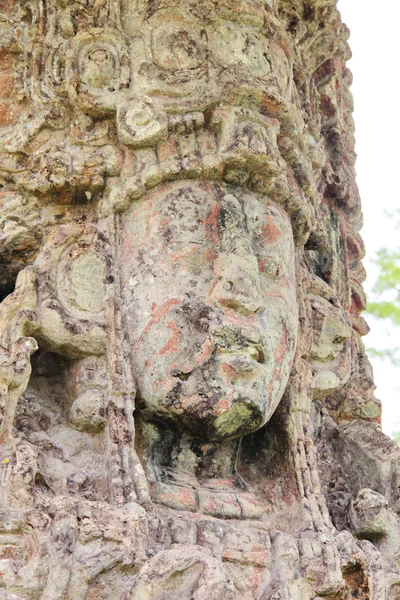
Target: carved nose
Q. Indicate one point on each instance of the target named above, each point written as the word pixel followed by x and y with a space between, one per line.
pixel 238 287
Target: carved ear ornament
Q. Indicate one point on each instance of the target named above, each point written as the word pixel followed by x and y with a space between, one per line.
pixel 138 123
pixel 97 71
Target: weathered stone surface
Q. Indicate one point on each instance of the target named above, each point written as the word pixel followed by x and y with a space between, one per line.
pixel 186 406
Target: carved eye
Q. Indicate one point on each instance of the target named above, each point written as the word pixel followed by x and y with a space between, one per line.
pixel 339 340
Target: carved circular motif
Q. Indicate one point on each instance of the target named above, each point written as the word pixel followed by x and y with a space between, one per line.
pixel 97 72
pixel 138 123
pixel 81 282
pixel 177 48
pixel 99 67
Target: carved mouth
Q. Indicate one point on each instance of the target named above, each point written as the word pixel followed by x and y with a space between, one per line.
pixel 242 347
pixel 243 360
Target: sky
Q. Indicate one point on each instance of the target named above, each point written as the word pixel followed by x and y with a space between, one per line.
pixel 374 42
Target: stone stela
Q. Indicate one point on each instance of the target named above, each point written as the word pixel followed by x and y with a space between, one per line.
pixel 187 411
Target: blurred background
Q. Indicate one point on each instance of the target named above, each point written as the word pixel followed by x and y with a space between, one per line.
pixel 375 46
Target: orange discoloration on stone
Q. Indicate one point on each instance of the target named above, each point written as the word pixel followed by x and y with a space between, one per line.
pixel 168 154
pixel 9 112
pixel 165 383
pixel 191 400
pixel 156 318
pixel 6 60
pixel 211 224
pixel 172 344
pixel 271 231
pixel 222 406
pixel 205 352
pixel 6 83
pixel 175 496
pixel 228 372
pixel 279 357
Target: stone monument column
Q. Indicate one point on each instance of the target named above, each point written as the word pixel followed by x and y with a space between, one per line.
pixel 186 407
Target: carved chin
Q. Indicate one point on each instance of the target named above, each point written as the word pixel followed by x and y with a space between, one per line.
pixel 212 419
pixel 242 418
pixel 212 412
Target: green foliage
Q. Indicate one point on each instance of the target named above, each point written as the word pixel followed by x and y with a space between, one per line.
pixel 391 354
pixel 385 297
pixel 396 436
pixel 384 300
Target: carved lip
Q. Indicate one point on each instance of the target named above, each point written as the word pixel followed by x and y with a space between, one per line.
pixel 327 362
pixel 246 361
pixel 240 344
pixel 242 348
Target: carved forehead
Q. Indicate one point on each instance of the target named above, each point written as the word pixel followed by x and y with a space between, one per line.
pixel 204 211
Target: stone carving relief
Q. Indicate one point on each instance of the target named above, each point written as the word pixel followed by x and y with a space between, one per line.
pixel 186 409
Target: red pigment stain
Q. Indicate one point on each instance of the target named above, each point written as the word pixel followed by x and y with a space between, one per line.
pixel 271 231
pixel 205 352
pixel 164 222
pixel 163 383
pixel 228 372
pixel 212 505
pixel 261 266
pixel 187 495
pixel 276 295
pixel 130 162
pixel 222 406
pixel 211 224
pixel 279 356
pixel 211 254
pixel 172 344
pixel 156 318
pixel 181 253
pixel 232 318
pixel 168 152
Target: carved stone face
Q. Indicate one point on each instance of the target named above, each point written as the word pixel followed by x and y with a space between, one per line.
pixel 209 284
pixel 330 355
